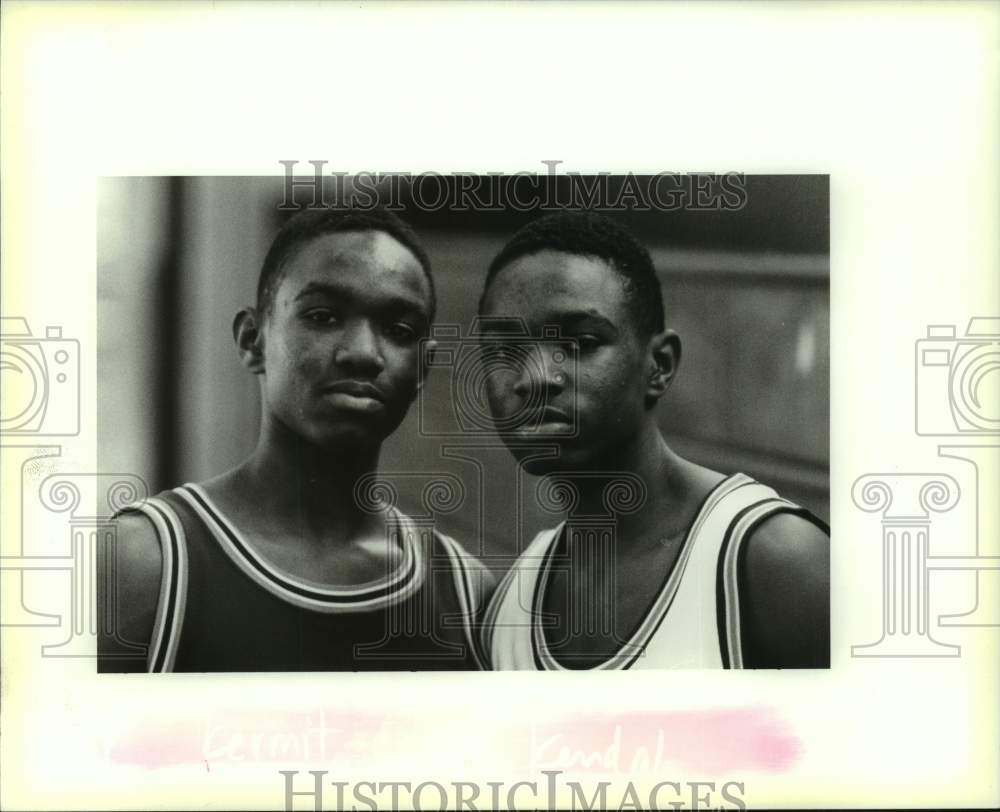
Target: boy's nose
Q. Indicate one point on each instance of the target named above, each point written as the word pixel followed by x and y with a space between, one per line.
pixel 543 372
pixel 359 348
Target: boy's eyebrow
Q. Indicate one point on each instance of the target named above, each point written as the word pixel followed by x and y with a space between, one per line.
pixel 329 289
pixel 565 320
pixel 575 317
pixel 321 287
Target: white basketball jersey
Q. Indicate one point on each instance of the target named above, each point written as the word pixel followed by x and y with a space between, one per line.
pixel 694 621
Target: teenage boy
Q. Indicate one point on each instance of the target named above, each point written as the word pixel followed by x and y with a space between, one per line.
pixel 704 570
pixel 279 565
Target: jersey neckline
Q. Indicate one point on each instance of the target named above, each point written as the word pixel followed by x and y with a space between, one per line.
pixel 630 651
pixel 394 587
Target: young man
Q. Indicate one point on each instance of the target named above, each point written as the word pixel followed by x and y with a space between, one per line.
pixel 687 567
pixel 281 563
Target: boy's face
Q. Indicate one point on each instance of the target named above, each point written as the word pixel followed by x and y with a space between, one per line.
pixel 341 338
pixel 603 393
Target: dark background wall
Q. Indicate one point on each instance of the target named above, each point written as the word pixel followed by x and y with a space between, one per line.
pixel 747 290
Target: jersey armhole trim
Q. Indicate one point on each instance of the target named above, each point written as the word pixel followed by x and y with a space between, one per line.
pixel 469 596
pixel 169 619
pixel 731 585
pixel 493 612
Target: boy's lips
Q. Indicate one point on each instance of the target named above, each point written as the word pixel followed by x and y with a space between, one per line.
pixel 355 395
pixel 547 420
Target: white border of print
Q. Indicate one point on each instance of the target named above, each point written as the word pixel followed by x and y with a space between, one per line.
pixel 897 102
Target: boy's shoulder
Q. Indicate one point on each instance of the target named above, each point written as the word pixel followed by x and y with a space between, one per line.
pixel 130 572
pixel 792 541
pixel 477 576
pixel 786 595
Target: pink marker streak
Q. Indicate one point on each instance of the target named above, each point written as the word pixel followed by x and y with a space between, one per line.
pixel 706 742
pixel 247 737
pixel 162 746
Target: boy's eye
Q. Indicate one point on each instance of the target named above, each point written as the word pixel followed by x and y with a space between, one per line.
pixel 321 315
pixel 587 343
pixel 401 331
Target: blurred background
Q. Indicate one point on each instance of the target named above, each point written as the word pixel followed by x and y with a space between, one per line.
pixel 747 290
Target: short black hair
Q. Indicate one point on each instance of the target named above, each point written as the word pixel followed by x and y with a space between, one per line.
pixel 309 224
pixel 589 234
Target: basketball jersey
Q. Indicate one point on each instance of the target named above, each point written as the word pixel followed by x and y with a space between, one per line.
pixel 694 621
pixel 223 607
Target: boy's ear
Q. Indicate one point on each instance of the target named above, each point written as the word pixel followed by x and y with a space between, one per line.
pixel 665 356
pixel 427 348
pixel 248 333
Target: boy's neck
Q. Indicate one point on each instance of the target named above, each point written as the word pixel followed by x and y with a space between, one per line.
pixel 297 478
pixel 664 477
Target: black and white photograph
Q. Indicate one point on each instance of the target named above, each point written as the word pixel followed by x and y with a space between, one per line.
pixel 458 422
pixel 504 406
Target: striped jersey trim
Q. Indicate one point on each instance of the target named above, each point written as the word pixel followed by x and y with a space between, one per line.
pixel 493 610
pixel 172 600
pixel 396 587
pixel 468 595
pixel 730 582
pixel 654 617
